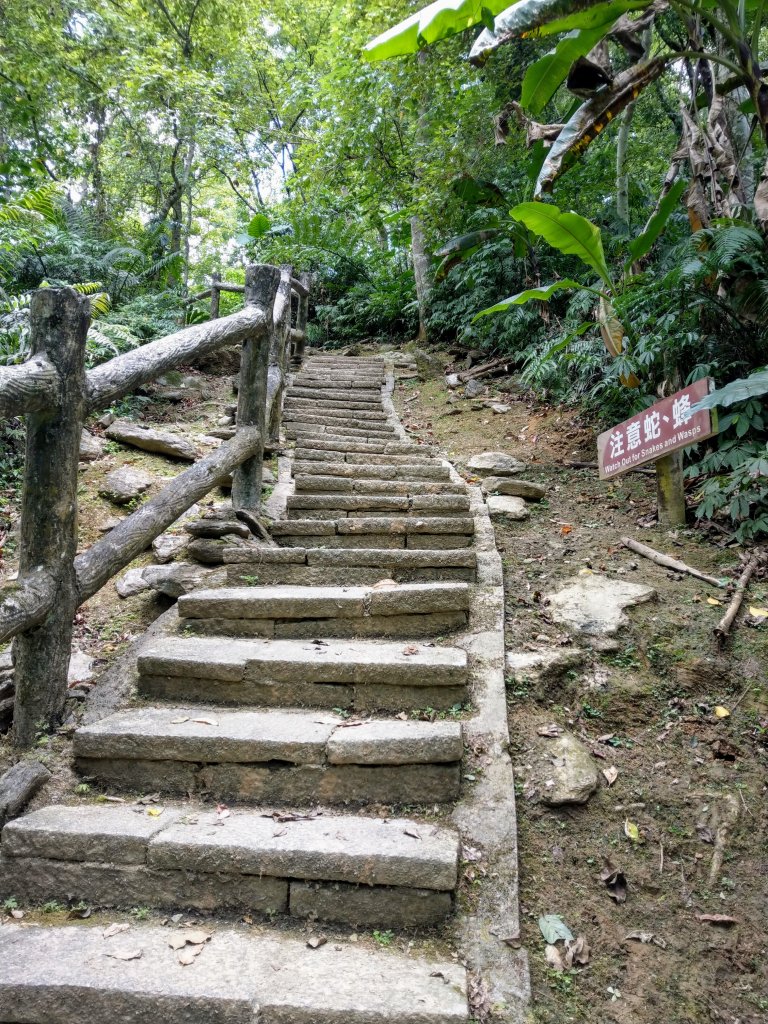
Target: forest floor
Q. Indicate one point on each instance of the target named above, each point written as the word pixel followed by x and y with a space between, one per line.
pixel 644 704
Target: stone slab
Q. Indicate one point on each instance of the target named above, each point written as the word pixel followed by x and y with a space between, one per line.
pixel 396 742
pixel 503 507
pixel 495 464
pixel 361 905
pixel 594 604
pixel 407 524
pixel 62 976
pixel 84 832
pixel 173 734
pixel 385 558
pixel 368 851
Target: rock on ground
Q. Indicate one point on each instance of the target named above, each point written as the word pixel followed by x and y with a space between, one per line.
pixel 595 604
pixel 564 772
pixel 150 440
pixel 510 508
pixel 495 464
pixel 80 668
pixel 125 484
pixel 91 447
pixel 514 487
pixel 473 388
pixel 549 664
pixel 167 546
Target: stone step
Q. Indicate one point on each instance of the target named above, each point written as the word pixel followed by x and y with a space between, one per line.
pixel 328 405
pixel 378 532
pixel 285 612
pixel 364 458
pixel 311 483
pixel 189 857
pixel 336 382
pixel 73 975
pixel 358 447
pixel 370 398
pixel 338 431
pixel 373 471
pixel 308 421
pixel 376 504
pixel 292 411
pixel 358 675
pixel 283 757
pixel 346 566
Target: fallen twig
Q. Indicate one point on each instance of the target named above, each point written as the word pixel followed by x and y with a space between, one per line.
pixel 728 820
pixel 723 628
pixel 668 562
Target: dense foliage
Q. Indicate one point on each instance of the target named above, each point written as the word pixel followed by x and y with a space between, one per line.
pixel 146 145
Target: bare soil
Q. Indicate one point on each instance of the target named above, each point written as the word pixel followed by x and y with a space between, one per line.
pixel 644 704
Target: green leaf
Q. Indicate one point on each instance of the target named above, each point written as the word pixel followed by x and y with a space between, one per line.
pixel 645 242
pixel 593 116
pixel 543 293
pixel 549 17
pixel 259 226
pixel 544 78
pixel 753 386
pixel 552 927
pixel 471 240
pixel 438 21
pixel 567 232
pixel 478 191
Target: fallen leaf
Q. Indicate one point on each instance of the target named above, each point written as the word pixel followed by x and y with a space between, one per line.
pixel 549 730
pixel 566 529
pixel 113 799
pixel 759 613
pixel 177 941
pixel 155 812
pixel 412 833
pixel 631 831
pixel 222 812
pixel 125 954
pixel 196 936
pixel 316 941
pixel 723 919
pixel 150 798
pixel 645 938
pixel 410 649
pixel 577 952
pixel 713 600
pixel 552 927
pixel 79 914
pixel 115 929
pixel 439 974
pixel 205 721
pixel 615 880
pixel 179 721
pixel 611 774
pixel 721 712
pixel 384 583
pixel 17 915
pixel 188 955
pixel 554 958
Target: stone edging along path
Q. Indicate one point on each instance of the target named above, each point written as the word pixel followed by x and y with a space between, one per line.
pixel 291 699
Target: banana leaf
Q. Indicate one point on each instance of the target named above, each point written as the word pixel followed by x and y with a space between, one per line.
pixel 568 232
pixel 548 17
pixel 544 78
pixel 462 247
pixel 543 294
pixel 478 191
pixel 593 116
pixel 437 21
pixel 645 242
pixel 753 386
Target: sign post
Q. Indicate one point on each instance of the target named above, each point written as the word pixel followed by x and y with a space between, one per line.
pixel 659 434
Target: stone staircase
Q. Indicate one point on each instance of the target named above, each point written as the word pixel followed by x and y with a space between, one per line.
pixel 297 695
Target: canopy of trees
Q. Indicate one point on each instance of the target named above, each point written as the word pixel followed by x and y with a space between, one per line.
pixel 580 185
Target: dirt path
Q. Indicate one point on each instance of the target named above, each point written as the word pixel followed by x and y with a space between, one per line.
pixel 644 704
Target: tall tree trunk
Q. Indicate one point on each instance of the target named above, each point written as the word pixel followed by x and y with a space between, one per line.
pixel 622 173
pixel 421 274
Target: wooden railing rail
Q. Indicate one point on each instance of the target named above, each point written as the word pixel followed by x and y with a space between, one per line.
pixel 55 392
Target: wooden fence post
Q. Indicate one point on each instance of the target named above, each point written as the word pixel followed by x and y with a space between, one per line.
pixel 670 490
pixel 261 284
pixel 215 295
pixel 279 354
pixel 59 320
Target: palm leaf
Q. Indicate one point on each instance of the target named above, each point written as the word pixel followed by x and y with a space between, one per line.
pixel 437 21
pixel 567 232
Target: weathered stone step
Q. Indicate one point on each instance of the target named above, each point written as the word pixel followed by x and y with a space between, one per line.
pixel 329 405
pixel 293 411
pixel 311 483
pixel 337 382
pixel 371 398
pixel 376 504
pixel 375 531
pixel 360 674
pixel 338 431
pixel 355 446
pixel 342 421
pixel 372 471
pixel 347 566
pixel 276 756
pixel 413 458
pixel 121 856
pixel 72 975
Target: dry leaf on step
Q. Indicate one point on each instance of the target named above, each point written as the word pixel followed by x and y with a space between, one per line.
pixel 115 929
pixel 188 955
pixel 577 952
pixel 125 954
pixel 410 649
pixel 611 774
pixel 554 958
pixel 316 941
pixel 383 584
pixel 549 730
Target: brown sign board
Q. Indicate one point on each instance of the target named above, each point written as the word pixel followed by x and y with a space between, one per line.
pixel 663 428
